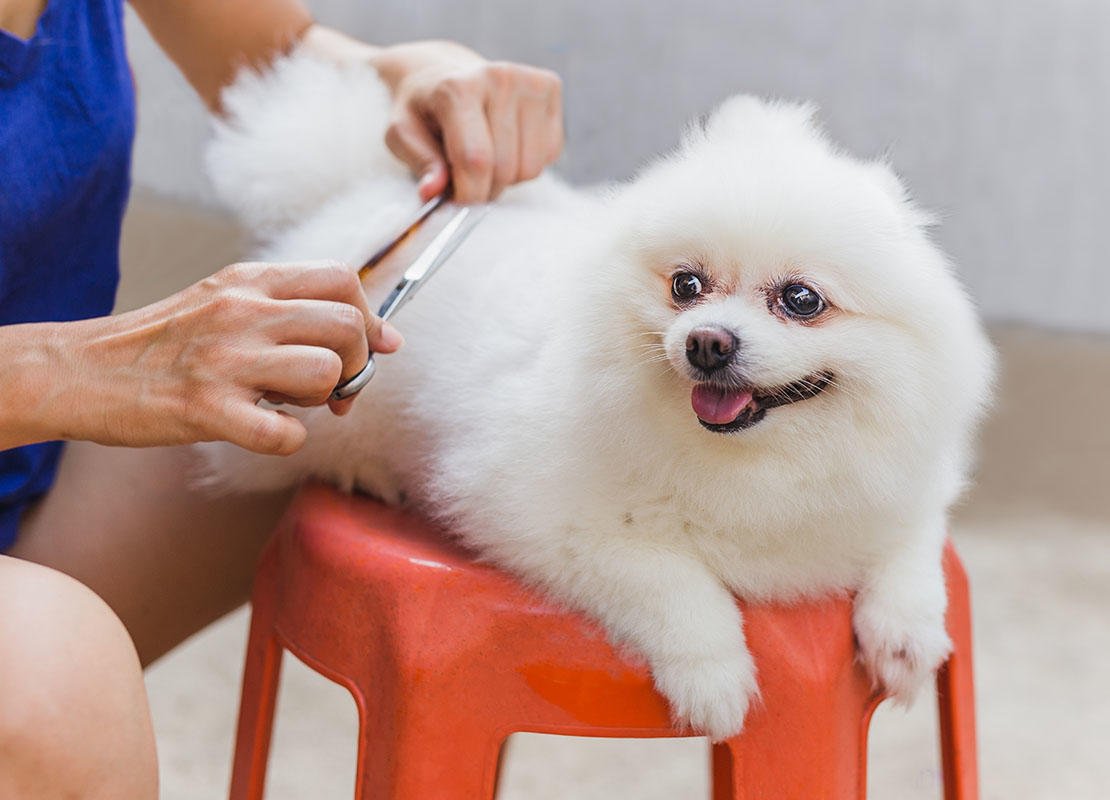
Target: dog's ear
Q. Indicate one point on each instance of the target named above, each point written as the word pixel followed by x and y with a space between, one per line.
pixel 882 174
pixel 745 117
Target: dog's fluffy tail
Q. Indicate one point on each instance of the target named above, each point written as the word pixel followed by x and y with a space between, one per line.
pixel 295 136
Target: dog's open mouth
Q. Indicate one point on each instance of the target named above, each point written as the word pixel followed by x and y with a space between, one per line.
pixel 726 409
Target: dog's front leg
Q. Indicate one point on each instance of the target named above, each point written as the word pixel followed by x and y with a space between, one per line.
pixel 670 608
pixel 899 614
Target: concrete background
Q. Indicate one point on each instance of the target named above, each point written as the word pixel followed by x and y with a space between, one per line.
pixel 996 112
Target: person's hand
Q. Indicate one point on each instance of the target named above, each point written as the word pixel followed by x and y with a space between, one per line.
pixel 480 125
pixel 194 366
pixel 483 125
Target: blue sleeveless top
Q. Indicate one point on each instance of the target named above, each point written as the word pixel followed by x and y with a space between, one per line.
pixel 66 126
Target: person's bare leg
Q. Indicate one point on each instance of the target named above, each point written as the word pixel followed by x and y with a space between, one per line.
pixel 74 720
pixel 168 559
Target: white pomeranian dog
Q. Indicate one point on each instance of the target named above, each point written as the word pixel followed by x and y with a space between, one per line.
pixel 748 372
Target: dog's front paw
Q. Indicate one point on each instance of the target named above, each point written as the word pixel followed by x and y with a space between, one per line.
pixel 901 651
pixel 709 695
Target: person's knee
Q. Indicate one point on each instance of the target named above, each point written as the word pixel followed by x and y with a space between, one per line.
pixel 73 710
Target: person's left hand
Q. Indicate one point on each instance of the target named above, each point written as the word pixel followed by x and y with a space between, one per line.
pixel 483 125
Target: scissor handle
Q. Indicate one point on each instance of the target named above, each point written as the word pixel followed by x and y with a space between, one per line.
pixel 441 248
pixel 354 384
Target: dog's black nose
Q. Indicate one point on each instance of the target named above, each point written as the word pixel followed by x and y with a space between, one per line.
pixel 710 347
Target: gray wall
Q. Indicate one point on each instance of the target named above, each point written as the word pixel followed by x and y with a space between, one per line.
pixel 996 111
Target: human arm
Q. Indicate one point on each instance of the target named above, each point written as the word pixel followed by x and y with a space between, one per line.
pixel 193 367
pixel 210 40
pixel 483 125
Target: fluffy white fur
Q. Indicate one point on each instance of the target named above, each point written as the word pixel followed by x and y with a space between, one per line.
pixel 542 405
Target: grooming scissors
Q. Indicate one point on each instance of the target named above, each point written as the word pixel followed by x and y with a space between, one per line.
pixel 423 267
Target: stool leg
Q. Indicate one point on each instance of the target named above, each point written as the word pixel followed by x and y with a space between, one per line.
pixel 956 697
pixel 261 674
pixel 822 755
pixel 724 773
pixel 441 754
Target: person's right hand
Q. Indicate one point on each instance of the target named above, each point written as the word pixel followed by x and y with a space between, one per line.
pixel 194 366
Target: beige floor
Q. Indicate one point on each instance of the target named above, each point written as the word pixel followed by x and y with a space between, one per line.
pixel 1035 535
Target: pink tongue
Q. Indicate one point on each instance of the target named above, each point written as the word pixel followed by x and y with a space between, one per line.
pixel 718 406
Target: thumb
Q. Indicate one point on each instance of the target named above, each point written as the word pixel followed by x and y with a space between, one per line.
pixel 409 139
pixel 381 336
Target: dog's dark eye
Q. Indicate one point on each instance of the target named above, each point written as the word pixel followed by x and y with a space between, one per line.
pixel 685 286
pixel 801 301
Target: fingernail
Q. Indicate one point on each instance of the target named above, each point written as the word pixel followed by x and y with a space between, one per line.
pixel 432 181
pixel 391 337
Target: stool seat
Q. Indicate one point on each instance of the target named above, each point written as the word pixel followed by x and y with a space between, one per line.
pixel 446 657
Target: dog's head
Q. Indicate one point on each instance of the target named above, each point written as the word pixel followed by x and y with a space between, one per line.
pixel 771 285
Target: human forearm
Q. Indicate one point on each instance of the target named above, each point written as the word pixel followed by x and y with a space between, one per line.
pixel 90 379
pixel 27 367
pixel 210 40
pixel 332 45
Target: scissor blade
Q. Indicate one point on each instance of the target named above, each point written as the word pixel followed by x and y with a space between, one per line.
pixel 404 233
pixel 445 243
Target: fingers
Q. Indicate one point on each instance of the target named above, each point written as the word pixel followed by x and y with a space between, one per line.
pixel 434 182
pixel 331 281
pixel 333 331
pixel 540 122
pixel 200 360
pixel 302 375
pixel 317 280
pixel 536 145
pixel 318 335
pixel 460 112
pixel 490 124
pixel 337 328
pixel 504 111
pixel 555 130
pixel 263 430
pixel 412 142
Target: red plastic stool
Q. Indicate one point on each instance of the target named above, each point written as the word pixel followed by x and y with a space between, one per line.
pixel 446 658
